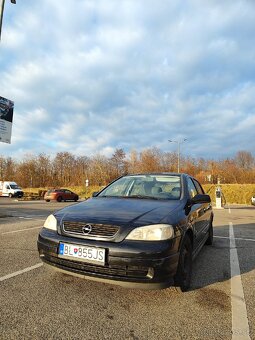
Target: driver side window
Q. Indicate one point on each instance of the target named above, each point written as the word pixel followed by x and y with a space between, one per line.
pixel 191 188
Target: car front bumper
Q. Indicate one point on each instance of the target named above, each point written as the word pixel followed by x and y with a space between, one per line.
pixel 18 194
pixel 126 264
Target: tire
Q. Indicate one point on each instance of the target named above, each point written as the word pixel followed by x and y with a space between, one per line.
pixel 59 199
pixel 10 195
pixel 47 200
pixel 182 279
pixel 209 240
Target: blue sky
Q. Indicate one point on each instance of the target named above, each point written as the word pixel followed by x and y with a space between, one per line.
pixel 91 76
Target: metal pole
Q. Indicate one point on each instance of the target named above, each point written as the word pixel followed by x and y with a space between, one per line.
pixel 1 16
pixel 178 157
pixel 179 142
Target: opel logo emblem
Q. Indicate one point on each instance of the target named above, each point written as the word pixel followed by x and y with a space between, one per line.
pixel 86 229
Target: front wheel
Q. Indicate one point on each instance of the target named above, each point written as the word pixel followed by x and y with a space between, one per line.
pixel 182 277
pixel 10 195
pixel 59 199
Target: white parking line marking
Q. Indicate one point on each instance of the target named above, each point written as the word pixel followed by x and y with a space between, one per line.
pixel 9 276
pixel 240 325
pixel 31 217
pixel 236 238
pixel 19 231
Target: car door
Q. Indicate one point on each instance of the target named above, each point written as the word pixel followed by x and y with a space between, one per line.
pixel 65 194
pixel 206 210
pixel 7 189
pixel 196 214
pixel 68 195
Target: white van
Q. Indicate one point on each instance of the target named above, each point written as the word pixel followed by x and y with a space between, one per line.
pixel 10 189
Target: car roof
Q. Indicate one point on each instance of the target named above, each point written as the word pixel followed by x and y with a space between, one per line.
pixel 158 174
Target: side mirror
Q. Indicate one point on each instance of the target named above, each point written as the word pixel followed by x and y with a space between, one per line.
pixel 94 194
pixel 200 198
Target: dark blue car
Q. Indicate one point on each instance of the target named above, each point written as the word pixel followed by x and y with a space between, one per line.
pixel 141 231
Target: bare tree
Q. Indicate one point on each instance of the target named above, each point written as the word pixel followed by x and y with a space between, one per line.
pixel 133 163
pixel 66 169
pixel 81 169
pixel 7 168
pixel 244 160
pixel 150 160
pixel 118 163
pixel 99 170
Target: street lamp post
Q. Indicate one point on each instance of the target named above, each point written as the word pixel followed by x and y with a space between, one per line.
pixel 2 13
pixel 179 142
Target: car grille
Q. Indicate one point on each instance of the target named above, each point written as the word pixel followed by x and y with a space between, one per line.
pixel 96 230
pixel 114 271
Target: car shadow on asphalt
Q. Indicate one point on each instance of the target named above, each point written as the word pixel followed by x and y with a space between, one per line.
pixel 212 264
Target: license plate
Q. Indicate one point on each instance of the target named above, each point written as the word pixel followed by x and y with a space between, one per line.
pixel 82 253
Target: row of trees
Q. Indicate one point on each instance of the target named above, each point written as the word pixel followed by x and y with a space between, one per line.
pixel 66 169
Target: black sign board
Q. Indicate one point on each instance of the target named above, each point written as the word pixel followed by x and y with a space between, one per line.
pixel 6 116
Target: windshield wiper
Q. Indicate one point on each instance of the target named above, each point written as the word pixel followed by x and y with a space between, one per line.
pixel 108 196
pixel 132 196
pixel 142 196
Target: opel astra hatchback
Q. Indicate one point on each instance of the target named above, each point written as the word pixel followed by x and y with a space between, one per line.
pixel 141 231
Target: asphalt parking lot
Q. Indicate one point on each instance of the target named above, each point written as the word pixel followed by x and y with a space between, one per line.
pixel 37 303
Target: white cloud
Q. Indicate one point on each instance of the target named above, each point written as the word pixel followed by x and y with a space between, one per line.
pixel 91 76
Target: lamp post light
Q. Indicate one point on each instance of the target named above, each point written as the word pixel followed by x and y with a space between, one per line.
pixel 179 142
pixel 2 13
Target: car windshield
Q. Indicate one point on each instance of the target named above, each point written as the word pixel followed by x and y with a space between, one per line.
pixel 145 186
pixel 14 186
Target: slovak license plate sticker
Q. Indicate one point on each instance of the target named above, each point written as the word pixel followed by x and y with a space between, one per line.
pixel 82 253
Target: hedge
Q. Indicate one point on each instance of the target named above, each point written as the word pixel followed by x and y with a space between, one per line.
pixel 233 193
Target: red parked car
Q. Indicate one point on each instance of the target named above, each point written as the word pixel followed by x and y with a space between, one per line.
pixel 60 195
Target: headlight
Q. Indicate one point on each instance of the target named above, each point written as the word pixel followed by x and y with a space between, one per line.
pixel 155 232
pixel 50 223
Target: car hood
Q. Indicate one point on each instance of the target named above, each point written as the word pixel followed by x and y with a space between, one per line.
pixel 120 211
